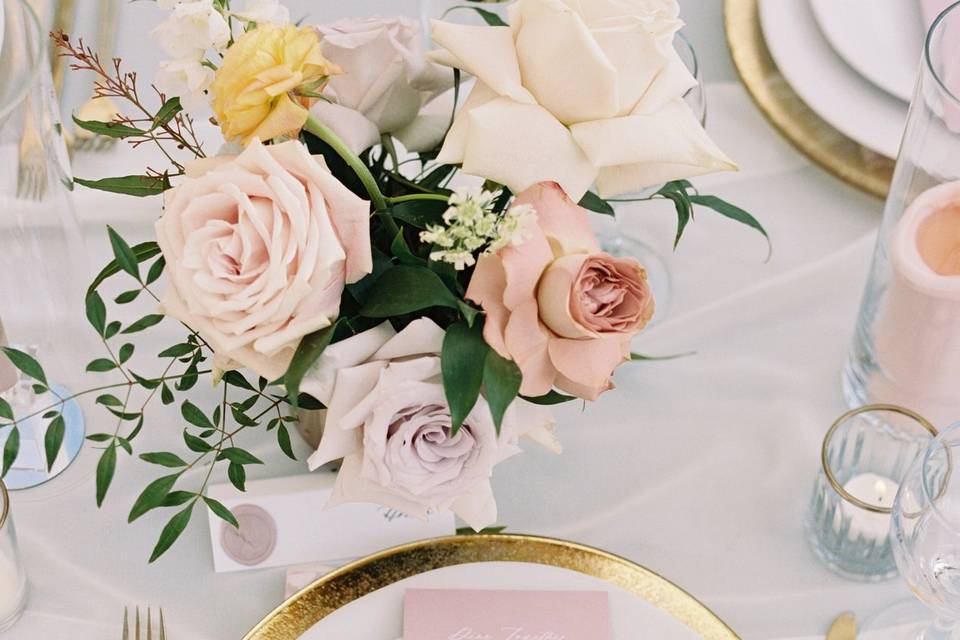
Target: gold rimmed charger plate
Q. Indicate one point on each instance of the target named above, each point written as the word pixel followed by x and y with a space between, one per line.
pixel 811 134
pixel 335 590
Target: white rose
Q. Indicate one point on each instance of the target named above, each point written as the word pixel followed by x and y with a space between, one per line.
pixel 264 12
pixel 188 80
pixel 258 250
pixel 385 83
pixel 387 418
pixel 192 29
pixel 576 92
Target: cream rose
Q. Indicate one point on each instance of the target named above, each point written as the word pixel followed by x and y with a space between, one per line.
pixel 385 85
pixel 560 308
pixel 576 92
pixel 387 418
pixel 258 249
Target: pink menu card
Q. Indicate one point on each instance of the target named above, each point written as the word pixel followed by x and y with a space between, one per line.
pixel 467 614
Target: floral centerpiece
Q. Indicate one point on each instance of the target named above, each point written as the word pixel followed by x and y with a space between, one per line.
pixel 364 241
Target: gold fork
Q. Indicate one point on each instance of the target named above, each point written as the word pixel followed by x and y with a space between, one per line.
pixel 102 109
pixel 136 626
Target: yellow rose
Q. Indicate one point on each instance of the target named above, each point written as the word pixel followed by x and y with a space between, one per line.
pixel 252 90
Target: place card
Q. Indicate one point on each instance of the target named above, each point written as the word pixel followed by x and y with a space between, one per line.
pixel 284 521
pixel 470 614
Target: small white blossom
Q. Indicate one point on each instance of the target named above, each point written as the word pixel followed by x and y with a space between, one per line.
pixel 192 29
pixel 187 79
pixel 472 226
pixel 264 12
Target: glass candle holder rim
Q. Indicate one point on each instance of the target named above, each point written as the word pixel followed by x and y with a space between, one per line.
pixel 36 54
pixel 825 457
pixel 925 465
pixel 927 51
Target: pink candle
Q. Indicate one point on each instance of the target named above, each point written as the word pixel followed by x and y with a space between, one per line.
pixel 917 335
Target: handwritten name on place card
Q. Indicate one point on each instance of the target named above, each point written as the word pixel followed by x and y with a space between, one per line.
pixel 469 614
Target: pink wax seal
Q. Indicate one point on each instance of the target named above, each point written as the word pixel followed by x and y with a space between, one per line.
pixel 254 540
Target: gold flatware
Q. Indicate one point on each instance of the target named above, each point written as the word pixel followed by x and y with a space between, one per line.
pixel 31 162
pixel 161 631
pixel 102 109
pixel 844 627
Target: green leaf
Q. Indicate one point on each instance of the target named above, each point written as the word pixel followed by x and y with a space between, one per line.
pixel 468 531
pixel 177 498
pixel 143 251
pixel 127 296
pixel 105 470
pixel 595 203
pixel 156 270
pixel 125 352
pixel 112 329
pixel 164 459
pixel 136 429
pixel 489 17
pixel 100 437
pixel 166 113
pixel 405 289
pixel 171 532
pixel 733 212
pixel 221 511
pixel 146 383
pixel 96 312
pixel 309 350
pixel 237 455
pixel 123 254
pixel 196 444
pixel 420 213
pixel 152 496
pixel 53 440
pixel 10 450
pixel 501 380
pixel 178 351
pixel 236 379
pixel 109 129
pixel 434 178
pixel 101 365
pixel 549 398
pixel 237 475
pixel 109 400
pixel 283 439
pixel 26 364
pixel 192 414
pixel 402 252
pixel 460 363
pixel 123 442
pixel 681 202
pixel 139 186
pixel 166 395
pixel 639 357
pixel 144 323
pixel 6 411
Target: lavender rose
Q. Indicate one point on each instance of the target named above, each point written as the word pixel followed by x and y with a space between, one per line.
pixel 388 419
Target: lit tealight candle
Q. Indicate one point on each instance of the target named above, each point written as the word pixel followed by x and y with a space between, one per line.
pixel 874 489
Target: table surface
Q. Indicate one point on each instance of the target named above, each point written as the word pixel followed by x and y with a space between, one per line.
pixel 698 468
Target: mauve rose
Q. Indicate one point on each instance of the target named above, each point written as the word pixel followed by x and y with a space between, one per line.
pixel 388 419
pixel 258 250
pixel 560 308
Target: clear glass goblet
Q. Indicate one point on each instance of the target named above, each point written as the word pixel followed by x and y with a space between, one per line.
pixel 926 532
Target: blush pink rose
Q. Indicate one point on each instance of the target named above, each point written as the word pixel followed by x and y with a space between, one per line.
pixel 560 308
pixel 258 249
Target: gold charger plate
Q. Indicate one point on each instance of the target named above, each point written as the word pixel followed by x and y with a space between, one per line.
pixel 335 590
pixel 811 134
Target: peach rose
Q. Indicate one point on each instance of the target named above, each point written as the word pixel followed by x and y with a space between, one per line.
pixel 560 308
pixel 258 250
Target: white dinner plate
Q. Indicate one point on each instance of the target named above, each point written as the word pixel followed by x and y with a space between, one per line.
pixel 881 40
pixel 841 96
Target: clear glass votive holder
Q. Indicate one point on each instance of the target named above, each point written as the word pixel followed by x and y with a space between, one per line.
pixel 13 578
pixel 864 458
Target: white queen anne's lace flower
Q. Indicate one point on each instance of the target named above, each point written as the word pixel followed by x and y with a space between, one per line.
pixel 192 29
pixel 471 225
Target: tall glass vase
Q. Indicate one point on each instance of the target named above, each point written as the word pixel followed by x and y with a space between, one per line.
pixel 41 248
pixel 906 349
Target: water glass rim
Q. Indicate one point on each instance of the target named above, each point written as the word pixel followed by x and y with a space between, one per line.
pixel 934 445
pixel 928 46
